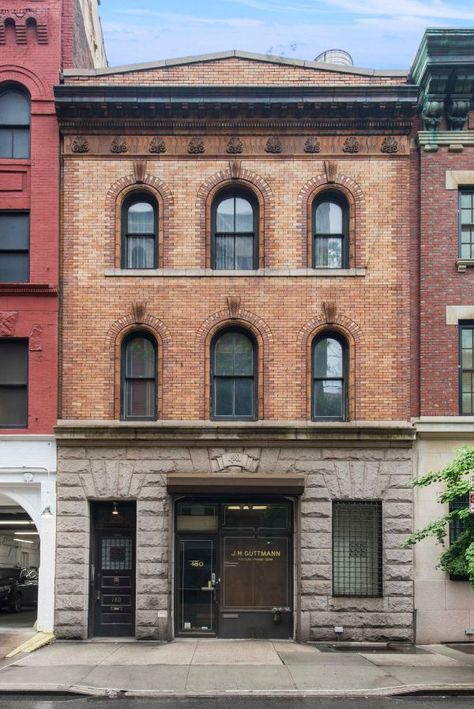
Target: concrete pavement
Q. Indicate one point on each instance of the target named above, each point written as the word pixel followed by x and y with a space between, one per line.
pixel 234 667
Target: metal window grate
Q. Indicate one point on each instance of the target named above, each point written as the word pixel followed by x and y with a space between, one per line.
pixel 456 528
pixel 357 548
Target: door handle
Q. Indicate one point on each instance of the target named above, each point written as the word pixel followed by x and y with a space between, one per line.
pixel 97 595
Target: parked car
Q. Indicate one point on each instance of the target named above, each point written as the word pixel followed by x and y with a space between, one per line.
pixel 18 588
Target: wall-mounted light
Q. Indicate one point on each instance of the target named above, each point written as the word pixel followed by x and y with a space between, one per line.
pixel 115 511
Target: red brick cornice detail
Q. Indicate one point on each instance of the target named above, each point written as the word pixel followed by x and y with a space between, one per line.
pixel 25 77
pixel 235 176
pixel 113 203
pixel 127 323
pixel 357 218
pixel 217 321
pixel 340 323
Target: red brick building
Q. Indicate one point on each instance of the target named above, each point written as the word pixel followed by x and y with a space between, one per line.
pixel 35 44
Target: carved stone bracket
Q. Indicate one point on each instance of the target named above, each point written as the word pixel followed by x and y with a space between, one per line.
pixel 330 168
pixel 389 145
pixel 432 113
pixel 139 170
pixel 458 113
pixel 235 169
pixel 234 146
pixel 139 311
pixel 233 303
pixel 196 146
pixel 273 145
pixel 312 145
pixel 8 321
pixel 329 310
pixel 118 145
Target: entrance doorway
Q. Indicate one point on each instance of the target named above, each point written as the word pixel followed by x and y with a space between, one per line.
pixel 113 569
pixel 234 568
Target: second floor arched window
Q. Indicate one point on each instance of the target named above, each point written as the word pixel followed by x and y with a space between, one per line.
pixel 233 385
pixel 140 232
pixel 14 123
pixel 138 377
pixel 329 377
pixel 235 231
pixel 330 230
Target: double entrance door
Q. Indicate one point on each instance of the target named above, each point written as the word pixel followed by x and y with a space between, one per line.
pixel 234 568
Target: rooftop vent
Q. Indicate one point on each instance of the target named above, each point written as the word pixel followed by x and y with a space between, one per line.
pixel 335 56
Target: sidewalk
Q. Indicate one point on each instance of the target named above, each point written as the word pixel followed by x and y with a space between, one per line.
pixel 212 667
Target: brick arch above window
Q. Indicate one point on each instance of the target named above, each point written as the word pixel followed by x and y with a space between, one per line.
pixel 24 80
pixel 355 196
pixel 116 334
pixel 353 335
pixel 242 179
pixel 114 199
pixel 257 327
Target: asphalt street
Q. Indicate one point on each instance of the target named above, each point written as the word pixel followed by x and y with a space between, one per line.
pixel 55 702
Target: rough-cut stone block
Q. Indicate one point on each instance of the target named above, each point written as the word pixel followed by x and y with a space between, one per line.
pixel 158 453
pixel 72 555
pixel 73 570
pixel 316 541
pixel 71 493
pixel 73 586
pixel 70 602
pixel 72 540
pixel 398 556
pixel 72 467
pixel 317 588
pixel 65 453
pixel 398 588
pixel 107 453
pixel 151 523
pixel 67 523
pixel 152 569
pixel 398 510
pixel 153 585
pixel 320 571
pixel 70 632
pixel 314 603
pixel 70 617
pixel 397 525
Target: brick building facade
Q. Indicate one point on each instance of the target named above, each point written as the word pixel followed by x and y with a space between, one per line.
pixel 34 48
pixel 181 476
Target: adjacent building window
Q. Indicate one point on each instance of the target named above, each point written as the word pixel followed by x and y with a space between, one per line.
pixel 14 124
pixel 139 377
pixel 466 379
pixel 331 230
pixel 139 232
pixel 234 357
pixel 357 548
pixel 14 247
pixel 235 231
pixel 13 383
pixel 329 377
pixel 466 223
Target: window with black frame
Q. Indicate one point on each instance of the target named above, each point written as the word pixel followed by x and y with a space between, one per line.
pixel 139 375
pixel 456 528
pixel 329 377
pixel 330 230
pixel 234 357
pixel 357 548
pixel 466 363
pixel 235 231
pixel 13 383
pixel 15 117
pixel 466 223
pixel 14 247
pixel 139 232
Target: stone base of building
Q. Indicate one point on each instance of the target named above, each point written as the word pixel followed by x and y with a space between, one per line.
pixel 244 517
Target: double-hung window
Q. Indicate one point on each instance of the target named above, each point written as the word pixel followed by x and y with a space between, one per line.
pixel 14 247
pixel 13 383
pixel 466 368
pixel 14 124
pixel 466 223
pixel 235 232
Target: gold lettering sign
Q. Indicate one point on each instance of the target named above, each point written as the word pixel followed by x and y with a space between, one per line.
pixel 196 563
pixel 268 554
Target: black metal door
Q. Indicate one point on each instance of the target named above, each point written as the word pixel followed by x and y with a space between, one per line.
pixel 113 570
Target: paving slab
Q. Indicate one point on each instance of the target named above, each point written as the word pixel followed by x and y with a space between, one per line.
pixel 34 676
pixel 243 677
pixel 428 660
pixel 162 678
pixel 67 654
pixel 230 652
pixel 307 676
pixel 325 660
pixel 433 675
pixel 174 653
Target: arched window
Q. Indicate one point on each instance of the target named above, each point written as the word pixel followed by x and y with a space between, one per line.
pixel 235 231
pixel 234 359
pixel 139 232
pixel 14 124
pixel 138 381
pixel 331 230
pixel 329 377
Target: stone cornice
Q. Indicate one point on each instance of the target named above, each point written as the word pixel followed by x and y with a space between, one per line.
pixel 261 433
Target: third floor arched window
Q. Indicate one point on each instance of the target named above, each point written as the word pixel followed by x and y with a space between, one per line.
pixel 330 230
pixel 140 232
pixel 235 231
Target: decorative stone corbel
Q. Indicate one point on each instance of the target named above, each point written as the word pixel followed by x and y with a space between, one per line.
pixel 457 113
pixel 432 113
pixel 233 303
pixel 235 169
pixel 139 311
pixel 330 168
pixel 8 321
pixel 329 310
pixel 35 339
pixel 139 170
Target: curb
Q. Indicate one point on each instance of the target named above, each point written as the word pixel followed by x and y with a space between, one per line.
pixel 157 693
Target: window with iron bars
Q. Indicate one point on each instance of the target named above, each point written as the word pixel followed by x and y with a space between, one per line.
pixel 357 548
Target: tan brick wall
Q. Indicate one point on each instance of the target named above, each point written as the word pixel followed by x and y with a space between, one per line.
pixel 281 307
pixel 234 70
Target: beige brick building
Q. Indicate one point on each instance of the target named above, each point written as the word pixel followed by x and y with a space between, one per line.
pixel 235 446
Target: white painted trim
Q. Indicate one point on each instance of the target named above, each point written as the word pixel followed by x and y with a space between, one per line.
pixel 455 313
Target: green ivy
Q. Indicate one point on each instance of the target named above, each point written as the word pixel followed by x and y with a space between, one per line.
pixel 458 479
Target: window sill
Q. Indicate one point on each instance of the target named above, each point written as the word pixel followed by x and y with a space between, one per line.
pixel 211 273
pixel 464 263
